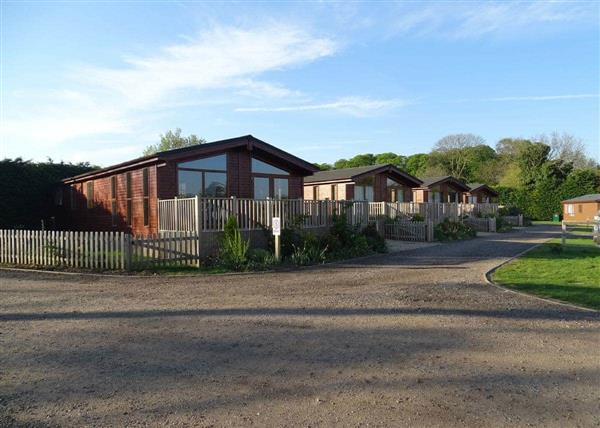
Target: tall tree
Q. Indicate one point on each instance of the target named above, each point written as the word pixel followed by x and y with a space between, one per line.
pixel 323 166
pixel 392 158
pixel 417 164
pixel 568 148
pixel 173 140
pixel 454 153
pixel 531 159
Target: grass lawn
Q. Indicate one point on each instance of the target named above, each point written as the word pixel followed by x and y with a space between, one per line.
pixel 571 274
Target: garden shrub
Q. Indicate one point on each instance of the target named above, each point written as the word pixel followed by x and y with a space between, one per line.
pixel 260 259
pixel 374 239
pixel 311 252
pixel 417 217
pixel 234 249
pixel 450 230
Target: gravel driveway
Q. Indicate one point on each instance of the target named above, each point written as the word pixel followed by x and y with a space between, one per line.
pixel 413 338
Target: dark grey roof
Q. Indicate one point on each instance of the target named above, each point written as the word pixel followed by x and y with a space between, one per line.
pixel 352 173
pixel 428 181
pixel 475 186
pixel 341 174
pixel 592 197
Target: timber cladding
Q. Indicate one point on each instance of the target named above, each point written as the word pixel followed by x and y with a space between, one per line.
pixel 125 197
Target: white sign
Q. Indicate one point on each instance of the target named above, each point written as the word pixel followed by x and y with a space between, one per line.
pixel 276 226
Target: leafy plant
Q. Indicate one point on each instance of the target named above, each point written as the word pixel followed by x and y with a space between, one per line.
pixel 417 217
pixel 375 241
pixel 234 248
pixel 310 253
pixel 450 230
pixel 260 259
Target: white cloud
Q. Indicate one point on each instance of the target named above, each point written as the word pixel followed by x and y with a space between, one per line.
pixel 215 67
pixel 354 106
pixel 223 57
pixel 545 97
pixel 469 20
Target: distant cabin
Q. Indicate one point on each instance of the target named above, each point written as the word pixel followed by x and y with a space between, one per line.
pixel 480 193
pixel 373 183
pixel 582 208
pixel 441 189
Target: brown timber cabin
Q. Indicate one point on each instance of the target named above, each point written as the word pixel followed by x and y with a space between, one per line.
pixel 125 196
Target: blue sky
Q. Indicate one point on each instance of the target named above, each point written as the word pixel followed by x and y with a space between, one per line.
pixel 99 81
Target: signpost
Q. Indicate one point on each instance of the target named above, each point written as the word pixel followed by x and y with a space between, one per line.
pixel 597 229
pixel 276 223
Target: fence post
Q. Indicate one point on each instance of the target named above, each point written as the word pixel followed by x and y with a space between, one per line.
pixel 197 214
pixel 430 231
pixel 492 226
pixel 126 244
pixel 520 220
pixel 563 235
pixel 176 210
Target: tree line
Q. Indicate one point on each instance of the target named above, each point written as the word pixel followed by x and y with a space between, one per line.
pixel 531 175
pixel 27 193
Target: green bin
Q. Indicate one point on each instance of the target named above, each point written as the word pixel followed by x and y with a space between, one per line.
pixel 556 218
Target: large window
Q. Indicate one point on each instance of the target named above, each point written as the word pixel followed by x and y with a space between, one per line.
pixel 434 195
pixel 363 190
pixel 269 181
pixel 203 177
pixel 395 191
pixel 261 188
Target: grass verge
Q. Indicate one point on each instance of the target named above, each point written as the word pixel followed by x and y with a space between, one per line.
pixel 570 273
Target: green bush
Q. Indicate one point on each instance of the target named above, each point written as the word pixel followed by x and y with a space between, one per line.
pixel 375 241
pixel 311 252
pixel 450 230
pixel 417 217
pixel 234 249
pixel 260 259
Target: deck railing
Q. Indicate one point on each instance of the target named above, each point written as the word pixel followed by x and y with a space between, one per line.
pixel 211 214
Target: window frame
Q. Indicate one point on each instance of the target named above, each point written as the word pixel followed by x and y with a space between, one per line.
pixel 203 172
pixel 271 177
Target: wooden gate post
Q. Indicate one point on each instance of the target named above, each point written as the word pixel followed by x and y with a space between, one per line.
pixel 126 244
pixel 492 226
pixel 430 234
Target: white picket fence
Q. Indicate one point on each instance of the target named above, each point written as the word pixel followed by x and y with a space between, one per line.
pixel 97 250
pixel 405 230
pixel 211 214
pixel 429 211
pixel 165 249
pixel 91 250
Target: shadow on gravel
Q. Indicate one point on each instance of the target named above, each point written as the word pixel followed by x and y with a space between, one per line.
pixel 558 313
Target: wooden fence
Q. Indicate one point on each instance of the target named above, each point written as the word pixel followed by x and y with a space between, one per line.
pixel 481 224
pixel 211 214
pixel 514 220
pixel 404 230
pixel 93 250
pixel 429 211
pixel 165 249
